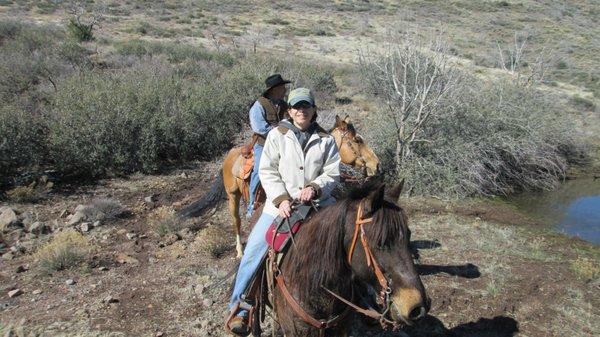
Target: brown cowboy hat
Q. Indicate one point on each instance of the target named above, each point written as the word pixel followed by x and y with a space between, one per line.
pixel 273 81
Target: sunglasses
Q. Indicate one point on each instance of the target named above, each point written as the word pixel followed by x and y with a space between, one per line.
pixel 302 105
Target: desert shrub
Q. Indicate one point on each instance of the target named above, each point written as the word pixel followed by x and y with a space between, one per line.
pixel 163 221
pixel 66 250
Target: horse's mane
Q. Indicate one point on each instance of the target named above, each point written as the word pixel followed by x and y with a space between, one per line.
pixel 319 256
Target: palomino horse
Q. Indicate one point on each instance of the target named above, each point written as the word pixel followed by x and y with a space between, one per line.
pixel 353 151
pixel 328 265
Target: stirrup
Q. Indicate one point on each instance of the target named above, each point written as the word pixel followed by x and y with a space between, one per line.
pixel 233 315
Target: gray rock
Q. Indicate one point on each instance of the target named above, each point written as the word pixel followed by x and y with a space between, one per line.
pixel 150 199
pixel 27 218
pixel 15 293
pixel 85 227
pixel 70 282
pixel 170 239
pixel 17 248
pixel 62 214
pixel 186 234
pixel 37 292
pixel 103 268
pixel 207 302
pixel 37 228
pixel 96 223
pixel 76 218
pixel 199 289
pixel 8 256
pixel 7 217
pixel 110 299
pixel 22 268
pixel 131 236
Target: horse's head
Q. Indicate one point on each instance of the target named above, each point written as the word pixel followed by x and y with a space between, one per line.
pixel 380 257
pixel 353 150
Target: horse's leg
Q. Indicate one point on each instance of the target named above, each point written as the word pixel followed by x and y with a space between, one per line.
pixel 233 196
pixel 234 210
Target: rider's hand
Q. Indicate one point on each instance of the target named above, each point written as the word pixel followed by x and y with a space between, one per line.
pixel 285 209
pixel 307 194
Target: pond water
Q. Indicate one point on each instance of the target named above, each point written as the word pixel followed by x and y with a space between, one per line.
pixel 573 208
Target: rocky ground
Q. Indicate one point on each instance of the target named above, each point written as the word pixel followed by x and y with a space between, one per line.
pixel 488 270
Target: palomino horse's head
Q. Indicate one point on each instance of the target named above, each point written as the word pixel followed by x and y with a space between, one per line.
pixel 382 260
pixel 353 150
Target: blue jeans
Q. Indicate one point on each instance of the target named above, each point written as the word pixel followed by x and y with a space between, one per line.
pixel 254 179
pixel 256 247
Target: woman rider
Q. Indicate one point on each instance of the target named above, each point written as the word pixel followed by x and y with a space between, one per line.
pixel 299 161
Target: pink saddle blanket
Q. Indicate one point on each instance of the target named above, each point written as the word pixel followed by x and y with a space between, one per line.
pixel 277 240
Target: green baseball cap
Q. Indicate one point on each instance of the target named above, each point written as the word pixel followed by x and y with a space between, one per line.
pixel 300 94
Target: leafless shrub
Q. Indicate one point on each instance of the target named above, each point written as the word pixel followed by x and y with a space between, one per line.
pixel 413 79
pixel 454 135
pixel 526 68
pixel 105 209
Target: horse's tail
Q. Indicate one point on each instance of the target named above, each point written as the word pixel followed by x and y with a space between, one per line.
pixel 210 199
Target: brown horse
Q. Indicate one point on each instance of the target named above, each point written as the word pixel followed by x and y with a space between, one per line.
pixel 353 151
pixel 380 263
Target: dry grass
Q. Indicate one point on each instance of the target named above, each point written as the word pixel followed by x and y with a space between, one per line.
pixel 214 241
pixel 163 221
pixel 23 194
pixel 68 249
pixel 586 268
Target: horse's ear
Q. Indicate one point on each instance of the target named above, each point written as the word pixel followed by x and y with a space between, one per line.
pixel 394 193
pixel 374 200
pixel 347 119
pixel 337 120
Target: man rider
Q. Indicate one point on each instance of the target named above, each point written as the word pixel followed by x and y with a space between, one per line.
pixel 265 114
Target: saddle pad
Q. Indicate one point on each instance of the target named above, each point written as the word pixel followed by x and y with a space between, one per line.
pixel 242 167
pixel 277 240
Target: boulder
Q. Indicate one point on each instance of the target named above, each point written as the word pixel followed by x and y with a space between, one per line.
pixel 7 217
pixel 76 218
pixel 15 293
pixel 38 228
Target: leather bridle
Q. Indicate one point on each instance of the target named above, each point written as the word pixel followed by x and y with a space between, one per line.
pixel 384 298
pixel 356 153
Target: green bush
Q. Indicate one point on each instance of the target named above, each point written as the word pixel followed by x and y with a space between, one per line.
pixel 81 31
pixel 21 139
pixel 141 118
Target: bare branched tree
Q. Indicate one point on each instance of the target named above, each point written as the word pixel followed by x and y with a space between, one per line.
pixel 513 59
pixel 416 80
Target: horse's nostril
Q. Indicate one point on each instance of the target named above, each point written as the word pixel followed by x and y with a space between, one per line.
pixel 417 313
